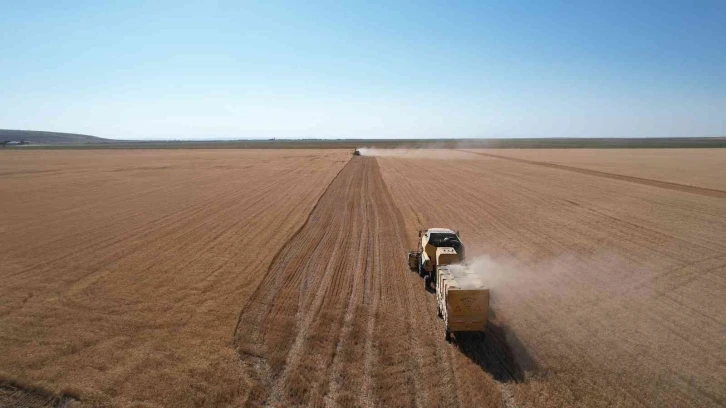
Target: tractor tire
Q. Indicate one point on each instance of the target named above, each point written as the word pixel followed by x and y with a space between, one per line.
pixel 427 281
pixel 421 270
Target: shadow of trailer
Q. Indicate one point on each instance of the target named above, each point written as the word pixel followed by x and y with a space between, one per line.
pixel 498 351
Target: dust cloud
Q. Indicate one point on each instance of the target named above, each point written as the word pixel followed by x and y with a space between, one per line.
pixel 566 276
pixel 494 274
pixel 436 154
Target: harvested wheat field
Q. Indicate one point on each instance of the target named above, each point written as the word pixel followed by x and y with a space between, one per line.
pixel 704 168
pixel 614 286
pixel 278 277
pixel 124 271
pixel 340 319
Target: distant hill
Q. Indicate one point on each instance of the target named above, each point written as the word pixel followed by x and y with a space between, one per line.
pixel 39 137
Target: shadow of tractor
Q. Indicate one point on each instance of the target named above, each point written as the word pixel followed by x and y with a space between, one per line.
pixel 498 351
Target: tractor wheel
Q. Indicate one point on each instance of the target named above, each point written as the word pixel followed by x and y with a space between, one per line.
pixel 421 270
pixel 427 281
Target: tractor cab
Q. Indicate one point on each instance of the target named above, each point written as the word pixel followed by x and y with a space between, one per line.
pixel 437 246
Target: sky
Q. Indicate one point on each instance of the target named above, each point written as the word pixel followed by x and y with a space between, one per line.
pixel 248 70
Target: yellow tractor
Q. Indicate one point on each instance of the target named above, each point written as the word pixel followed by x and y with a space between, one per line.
pixel 436 246
pixel 462 296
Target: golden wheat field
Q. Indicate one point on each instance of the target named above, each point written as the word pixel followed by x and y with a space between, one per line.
pixel 279 277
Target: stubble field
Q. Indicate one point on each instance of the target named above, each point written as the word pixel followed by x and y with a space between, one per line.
pixel 231 277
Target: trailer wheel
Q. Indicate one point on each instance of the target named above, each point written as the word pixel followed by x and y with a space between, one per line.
pixel 438 312
pixel 448 336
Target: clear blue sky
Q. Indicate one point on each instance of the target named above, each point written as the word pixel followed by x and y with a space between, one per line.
pixel 161 70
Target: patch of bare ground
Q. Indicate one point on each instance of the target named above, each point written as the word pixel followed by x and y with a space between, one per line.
pixel 614 290
pixel 124 271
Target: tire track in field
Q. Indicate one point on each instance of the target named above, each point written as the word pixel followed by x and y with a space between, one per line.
pixel 338 319
pixel 709 192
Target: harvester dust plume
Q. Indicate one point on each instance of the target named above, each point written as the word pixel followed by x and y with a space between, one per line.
pixel 428 154
pixel 509 279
